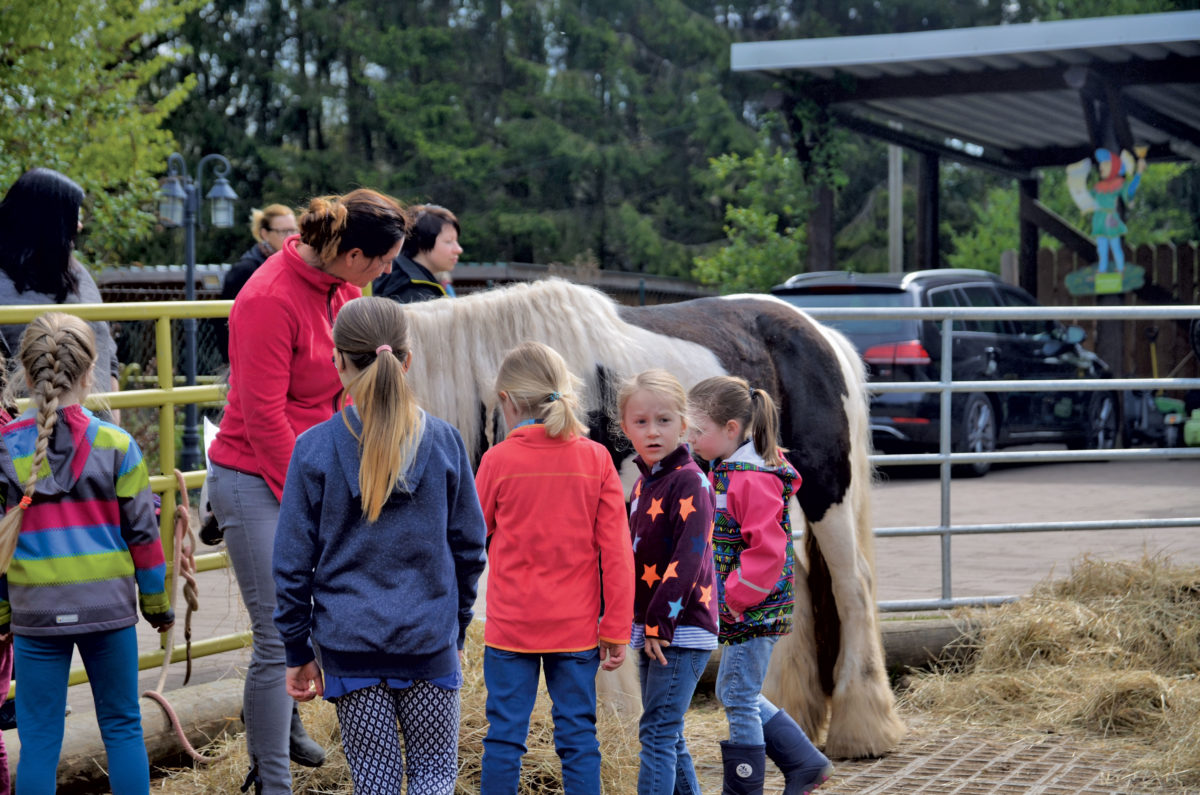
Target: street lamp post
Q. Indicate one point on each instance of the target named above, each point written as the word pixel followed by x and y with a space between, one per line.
pixel 179 205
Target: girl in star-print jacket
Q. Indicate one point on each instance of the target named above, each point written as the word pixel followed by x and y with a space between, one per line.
pixel 675 595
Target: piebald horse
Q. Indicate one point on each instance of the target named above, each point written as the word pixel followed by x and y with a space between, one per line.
pixel 829 672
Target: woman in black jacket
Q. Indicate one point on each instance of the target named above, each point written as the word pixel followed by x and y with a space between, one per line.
pixel 270 227
pixel 430 251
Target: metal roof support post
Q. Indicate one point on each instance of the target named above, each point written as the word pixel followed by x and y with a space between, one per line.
pixel 928 209
pixel 1028 235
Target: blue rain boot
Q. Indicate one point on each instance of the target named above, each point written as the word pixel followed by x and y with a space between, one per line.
pixel 744 767
pixel 804 768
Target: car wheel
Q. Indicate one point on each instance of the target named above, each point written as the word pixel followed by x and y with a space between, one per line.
pixel 976 434
pixel 1103 423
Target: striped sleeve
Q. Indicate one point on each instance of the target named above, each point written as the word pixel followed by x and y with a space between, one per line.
pixel 139 529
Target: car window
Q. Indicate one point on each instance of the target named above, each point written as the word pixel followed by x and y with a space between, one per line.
pixel 982 295
pixel 871 326
pixel 944 297
pixel 1011 297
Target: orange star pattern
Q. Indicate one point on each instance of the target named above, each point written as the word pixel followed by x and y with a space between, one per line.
pixel 651 631
pixel 705 595
pixel 670 572
pixel 655 509
pixel 686 508
pixel 650 575
pixel 637 490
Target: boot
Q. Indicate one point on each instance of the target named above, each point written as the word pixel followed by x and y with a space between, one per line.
pixel 302 749
pixel 804 768
pixel 744 766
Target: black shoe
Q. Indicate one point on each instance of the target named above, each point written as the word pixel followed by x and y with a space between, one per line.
pixel 303 749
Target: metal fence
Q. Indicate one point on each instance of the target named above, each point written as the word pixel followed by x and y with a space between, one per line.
pixel 162 391
pixel 946 530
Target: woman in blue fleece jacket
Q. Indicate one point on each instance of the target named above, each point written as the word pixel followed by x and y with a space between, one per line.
pixel 379 547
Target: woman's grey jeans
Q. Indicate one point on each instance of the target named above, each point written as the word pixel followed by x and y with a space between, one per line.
pixel 246 510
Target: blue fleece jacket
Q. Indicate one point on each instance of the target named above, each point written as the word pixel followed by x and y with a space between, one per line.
pixel 391 598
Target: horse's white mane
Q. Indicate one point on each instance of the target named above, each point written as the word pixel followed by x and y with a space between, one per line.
pixel 458 346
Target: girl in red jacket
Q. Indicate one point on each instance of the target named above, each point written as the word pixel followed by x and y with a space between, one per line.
pixel 557 536
pixel 736 428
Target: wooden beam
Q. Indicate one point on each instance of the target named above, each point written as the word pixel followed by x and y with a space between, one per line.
pixel 999 165
pixel 1027 252
pixel 928 211
pixel 1034 212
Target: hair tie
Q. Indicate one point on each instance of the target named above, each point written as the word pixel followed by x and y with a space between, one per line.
pixel 554 396
pixel 750 391
pixel 382 348
pixel 25 502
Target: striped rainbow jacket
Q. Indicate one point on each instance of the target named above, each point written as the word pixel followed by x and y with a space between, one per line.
pixel 89 549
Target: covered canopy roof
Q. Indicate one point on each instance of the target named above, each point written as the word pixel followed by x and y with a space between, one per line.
pixel 1008 97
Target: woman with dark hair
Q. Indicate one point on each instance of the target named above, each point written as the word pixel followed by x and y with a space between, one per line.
pixel 39 219
pixel 281 383
pixel 430 252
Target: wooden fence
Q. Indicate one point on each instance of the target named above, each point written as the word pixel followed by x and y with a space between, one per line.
pixel 1172 277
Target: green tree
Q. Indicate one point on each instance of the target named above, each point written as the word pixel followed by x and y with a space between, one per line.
pixel 767 203
pixel 69 93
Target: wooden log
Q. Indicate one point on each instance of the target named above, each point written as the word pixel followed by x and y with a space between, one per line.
pixel 205 711
pixel 906 644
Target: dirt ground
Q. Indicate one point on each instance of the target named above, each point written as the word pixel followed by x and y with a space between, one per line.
pixel 934 759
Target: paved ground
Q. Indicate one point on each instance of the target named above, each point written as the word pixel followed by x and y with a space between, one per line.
pixel 929 762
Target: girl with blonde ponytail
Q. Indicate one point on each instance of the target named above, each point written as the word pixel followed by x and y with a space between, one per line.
pixel 79 550
pixel 378 549
pixel 557 533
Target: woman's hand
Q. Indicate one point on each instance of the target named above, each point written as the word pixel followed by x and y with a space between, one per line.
pixel 654 649
pixel 305 682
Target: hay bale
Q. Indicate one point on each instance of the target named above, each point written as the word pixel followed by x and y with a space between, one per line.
pixel 1110 651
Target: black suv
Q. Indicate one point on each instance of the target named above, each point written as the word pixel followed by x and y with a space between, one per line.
pixel 999 350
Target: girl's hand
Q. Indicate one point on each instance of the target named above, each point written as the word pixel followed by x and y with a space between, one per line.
pixel 611 655
pixel 654 649
pixel 305 682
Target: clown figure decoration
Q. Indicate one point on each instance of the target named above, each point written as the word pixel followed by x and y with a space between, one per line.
pixel 1102 197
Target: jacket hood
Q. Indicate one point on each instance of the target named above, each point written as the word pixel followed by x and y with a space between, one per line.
pixel 347 430
pixel 67 453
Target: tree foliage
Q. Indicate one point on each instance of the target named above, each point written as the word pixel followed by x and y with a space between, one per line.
pixel 70 76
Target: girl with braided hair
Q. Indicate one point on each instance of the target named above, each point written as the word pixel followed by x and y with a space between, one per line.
pixel 79 551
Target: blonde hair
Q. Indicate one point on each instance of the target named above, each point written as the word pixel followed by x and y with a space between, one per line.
pixel 385 400
pixel 727 397
pixel 658 382
pixel 57 352
pixel 538 384
pixel 260 220
pixel 364 219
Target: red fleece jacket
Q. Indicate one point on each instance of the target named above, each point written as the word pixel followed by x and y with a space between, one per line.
pixel 281 376
pixel 555 514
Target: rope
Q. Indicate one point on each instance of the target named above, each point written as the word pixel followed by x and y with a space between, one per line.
pixel 184 565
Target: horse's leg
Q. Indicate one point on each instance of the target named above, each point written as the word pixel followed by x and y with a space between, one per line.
pixel 620 690
pixel 793 680
pixel 863 720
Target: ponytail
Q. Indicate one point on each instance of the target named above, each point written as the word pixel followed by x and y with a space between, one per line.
pixel 57 352
pixel 536 379
pixel 727 397
pixel 372 334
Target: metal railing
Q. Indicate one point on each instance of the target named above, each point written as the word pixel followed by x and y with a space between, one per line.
pixel 945 530
pixel 165 398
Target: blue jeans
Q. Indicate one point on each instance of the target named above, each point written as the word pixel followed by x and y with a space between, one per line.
pixel 44 664
pixel 666 766
pixel 246 509
pixel 740 678
pixel 512 685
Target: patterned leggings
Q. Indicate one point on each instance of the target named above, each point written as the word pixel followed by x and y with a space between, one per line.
pixel 428 717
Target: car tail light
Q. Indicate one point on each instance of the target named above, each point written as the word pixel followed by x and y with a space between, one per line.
pixel 894 353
